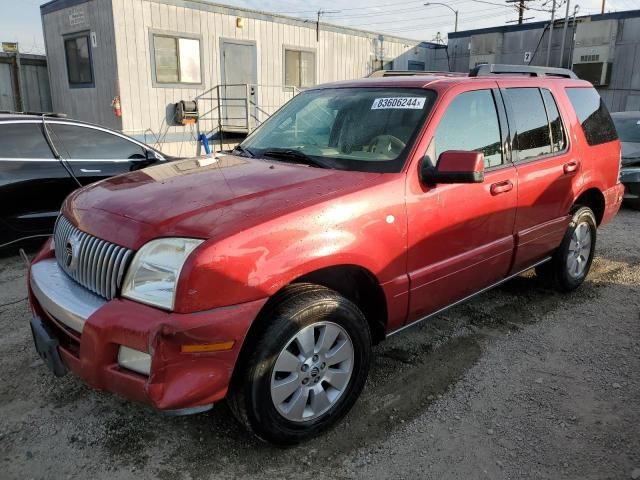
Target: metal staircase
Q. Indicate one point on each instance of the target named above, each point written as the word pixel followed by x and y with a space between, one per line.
pixel 237 109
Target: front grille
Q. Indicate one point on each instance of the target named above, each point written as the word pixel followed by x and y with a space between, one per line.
pixel 95 264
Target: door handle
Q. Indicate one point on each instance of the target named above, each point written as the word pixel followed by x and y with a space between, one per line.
pixel 87 170
pixel 571 166
pixel 501 187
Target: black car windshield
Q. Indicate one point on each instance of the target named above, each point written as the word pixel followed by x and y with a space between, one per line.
pixel 362 129
pixel 628 128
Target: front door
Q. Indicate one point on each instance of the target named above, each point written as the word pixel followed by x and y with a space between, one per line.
pixel 461 235
pixel 238 100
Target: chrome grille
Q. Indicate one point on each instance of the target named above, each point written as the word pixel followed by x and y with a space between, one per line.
pixel 95 264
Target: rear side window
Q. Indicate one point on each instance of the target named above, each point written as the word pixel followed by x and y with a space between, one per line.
pixel 558 137
pixel 593 115
pixel 471 123
pixel 533 138
pixel 23 140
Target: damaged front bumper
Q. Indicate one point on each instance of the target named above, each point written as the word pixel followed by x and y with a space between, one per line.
pixel 137 351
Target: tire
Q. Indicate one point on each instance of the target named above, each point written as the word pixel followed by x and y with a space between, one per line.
pixel 287 390
pixel 571 262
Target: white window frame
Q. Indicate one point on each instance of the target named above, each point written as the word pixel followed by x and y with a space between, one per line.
pixel 284 65
pixel 177 35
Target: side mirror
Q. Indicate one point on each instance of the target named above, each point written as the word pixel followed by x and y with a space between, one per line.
pixel 454 166
pixel 151 155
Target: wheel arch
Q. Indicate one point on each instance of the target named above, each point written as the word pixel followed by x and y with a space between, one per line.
pixel 353 282
pixel 594 199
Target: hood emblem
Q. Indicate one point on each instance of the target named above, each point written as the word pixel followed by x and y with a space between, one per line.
pixel 71 251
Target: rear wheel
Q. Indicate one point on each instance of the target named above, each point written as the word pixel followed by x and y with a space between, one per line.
pixel 571 262
pixel 306 369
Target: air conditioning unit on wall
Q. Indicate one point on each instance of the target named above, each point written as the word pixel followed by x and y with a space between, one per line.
pixel 593 51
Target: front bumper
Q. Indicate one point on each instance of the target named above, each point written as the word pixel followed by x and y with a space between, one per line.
pixel 90 331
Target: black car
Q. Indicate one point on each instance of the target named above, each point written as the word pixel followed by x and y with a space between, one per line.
pixel 43 158
pixel 628 127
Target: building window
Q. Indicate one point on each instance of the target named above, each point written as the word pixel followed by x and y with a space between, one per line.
pixel 299 68
pixel 77 49
pixel 177 59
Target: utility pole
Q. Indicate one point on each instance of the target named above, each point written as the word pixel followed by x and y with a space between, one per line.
pixel 320 13
pixel 602 10
pixel 553 14
pixel 573 35
pixel 521 8
pixel 520 12
pixel 564 34
pixel 18 74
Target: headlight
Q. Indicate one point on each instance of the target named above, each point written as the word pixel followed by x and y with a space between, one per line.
pixel 153 275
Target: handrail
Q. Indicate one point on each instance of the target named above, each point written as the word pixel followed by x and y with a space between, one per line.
pixel 222 109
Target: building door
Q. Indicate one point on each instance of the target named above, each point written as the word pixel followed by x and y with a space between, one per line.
pixel 239 91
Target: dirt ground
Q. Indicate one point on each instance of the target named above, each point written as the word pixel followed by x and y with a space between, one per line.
pixel 521 382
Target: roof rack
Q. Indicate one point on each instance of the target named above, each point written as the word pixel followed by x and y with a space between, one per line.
pixel 490 69
pixel 40 114
pixel 411 73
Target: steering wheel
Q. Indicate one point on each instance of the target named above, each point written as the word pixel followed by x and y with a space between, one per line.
pixel 386 144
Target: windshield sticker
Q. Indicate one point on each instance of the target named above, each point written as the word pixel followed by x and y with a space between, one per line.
pixel 414 103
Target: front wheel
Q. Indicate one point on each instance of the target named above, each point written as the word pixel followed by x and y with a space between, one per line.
pixel 571 262
pixel 306 369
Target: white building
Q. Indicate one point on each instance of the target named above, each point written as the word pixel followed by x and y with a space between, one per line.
pixel 240 64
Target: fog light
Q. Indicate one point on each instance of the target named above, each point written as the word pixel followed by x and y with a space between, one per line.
pixel 135 360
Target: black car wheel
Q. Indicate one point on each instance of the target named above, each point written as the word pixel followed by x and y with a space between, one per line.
pixel 571 262
pixel 306 369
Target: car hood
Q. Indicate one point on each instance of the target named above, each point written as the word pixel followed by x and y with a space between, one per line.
pixel 205 197
pixel 630 153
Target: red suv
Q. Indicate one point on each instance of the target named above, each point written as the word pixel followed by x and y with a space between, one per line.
pixel 358 209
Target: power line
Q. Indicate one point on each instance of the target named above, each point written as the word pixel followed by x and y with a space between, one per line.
pixel 387 22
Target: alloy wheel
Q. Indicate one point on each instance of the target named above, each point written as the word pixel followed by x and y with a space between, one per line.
pixel 312 372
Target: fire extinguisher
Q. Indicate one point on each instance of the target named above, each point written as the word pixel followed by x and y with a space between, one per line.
pixel 117 109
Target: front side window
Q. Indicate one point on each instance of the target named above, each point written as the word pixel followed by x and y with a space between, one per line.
pixel 177 59
pixel 533 137
pixel 299 68
pixel 470 123
pixel 77 51
pixel 85 143
pixel 23 140
pixel 364 129
pixel 593 115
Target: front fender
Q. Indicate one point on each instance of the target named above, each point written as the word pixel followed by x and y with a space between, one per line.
pixel 258 262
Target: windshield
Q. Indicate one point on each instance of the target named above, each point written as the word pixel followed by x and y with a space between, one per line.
pixel 628 129
pixel 363 129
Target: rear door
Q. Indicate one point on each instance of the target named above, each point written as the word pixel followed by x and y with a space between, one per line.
pixel 95 153
pixel 461 235
pixel 33 183
pixel 549 171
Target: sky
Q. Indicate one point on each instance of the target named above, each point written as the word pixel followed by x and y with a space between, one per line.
pixel 20 20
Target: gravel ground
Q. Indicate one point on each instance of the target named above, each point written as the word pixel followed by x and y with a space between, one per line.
pixel 521 382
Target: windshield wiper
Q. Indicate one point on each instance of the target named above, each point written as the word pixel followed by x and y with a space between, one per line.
pixel 292 155
pixel 245 150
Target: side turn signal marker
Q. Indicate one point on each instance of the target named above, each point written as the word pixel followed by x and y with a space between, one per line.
pixel 207 347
